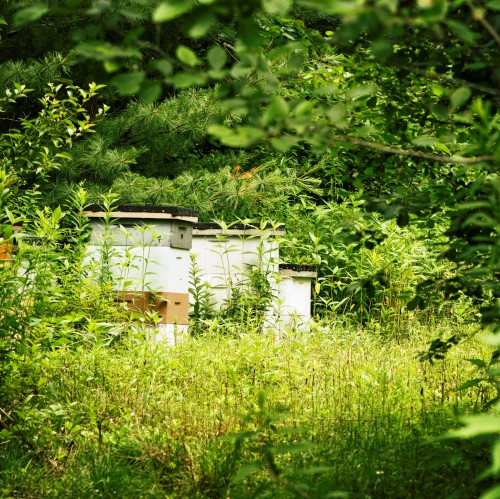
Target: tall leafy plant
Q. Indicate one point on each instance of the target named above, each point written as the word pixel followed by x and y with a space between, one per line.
pixel 42 276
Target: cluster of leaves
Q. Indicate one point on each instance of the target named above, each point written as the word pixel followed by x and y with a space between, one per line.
pixel 369 268
pixel 421 83
pixel 42 294
pixel 30 153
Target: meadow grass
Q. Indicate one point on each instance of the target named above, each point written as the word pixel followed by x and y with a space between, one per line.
pixel 314 414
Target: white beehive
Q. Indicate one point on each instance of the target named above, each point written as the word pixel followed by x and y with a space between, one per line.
pixel 148 251
pixel 225 255
pixel 149 256
pixel 293 307
pixel 148 268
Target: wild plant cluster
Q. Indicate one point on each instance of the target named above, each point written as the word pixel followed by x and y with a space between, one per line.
pixel 91 407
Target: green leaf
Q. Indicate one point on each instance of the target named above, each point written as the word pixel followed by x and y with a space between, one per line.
pixel 243 136
pixel 65 155
pixel 199 26
pixel 462 31
pixel 28 15
pixel 250 36
pixel 492 493
pixel 112 66
pixel 495 453
pixel 216 74
pixel 338 115
pixel 150 91
pixel 382 49
pixel 460 97
pixel 102 51
pixel 304 108
pixel 245 471
pixel 171 9
pixel 277 109
pixel 475 66
pixel 217 57
pixel 440 112
pixel 361 91
pixel 6 231
pixel 339 7
pixel 237 107
pixel 277 7
pixel 477 362
pixel 437 90
pixel 128 83
pixel 470 383
pixel 363 131
pixel 164 67
pixel 185 80
pixel 481 424
pixel 496 154
pixel 432 11
pixel 424 140
pixel 442 147
pixel 187 56
pixel 285 143
pixel 493 5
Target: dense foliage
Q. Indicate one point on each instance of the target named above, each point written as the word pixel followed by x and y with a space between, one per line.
pixel 371 129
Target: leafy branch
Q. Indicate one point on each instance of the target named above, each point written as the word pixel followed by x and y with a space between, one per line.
pixel 460 160
pixel 478 15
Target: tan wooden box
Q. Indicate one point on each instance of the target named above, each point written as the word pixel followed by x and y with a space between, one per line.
pixel 6 250
pixel 173 308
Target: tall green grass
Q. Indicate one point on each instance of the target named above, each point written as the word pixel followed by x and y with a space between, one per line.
pixel 331 410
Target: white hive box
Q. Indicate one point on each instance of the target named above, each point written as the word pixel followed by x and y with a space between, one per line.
pixel 225 255
pixel 149 249
pixel 235 249
pixel 293 307
pixel 148 269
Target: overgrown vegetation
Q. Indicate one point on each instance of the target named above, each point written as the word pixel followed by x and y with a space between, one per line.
pixel 337 409
pixel 370 129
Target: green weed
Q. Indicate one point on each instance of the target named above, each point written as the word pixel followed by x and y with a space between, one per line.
pixel 343 411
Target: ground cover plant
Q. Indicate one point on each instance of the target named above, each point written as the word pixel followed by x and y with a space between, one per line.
pixel 93 407
pixel 333 410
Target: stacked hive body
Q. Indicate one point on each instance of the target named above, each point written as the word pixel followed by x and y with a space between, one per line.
pixel 225 256
pixel 146 250
pixel 294 292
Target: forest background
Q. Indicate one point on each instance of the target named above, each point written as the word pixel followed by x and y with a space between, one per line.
pixel 370 129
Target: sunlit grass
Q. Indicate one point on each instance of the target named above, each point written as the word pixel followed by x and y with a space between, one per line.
pixel 145 420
